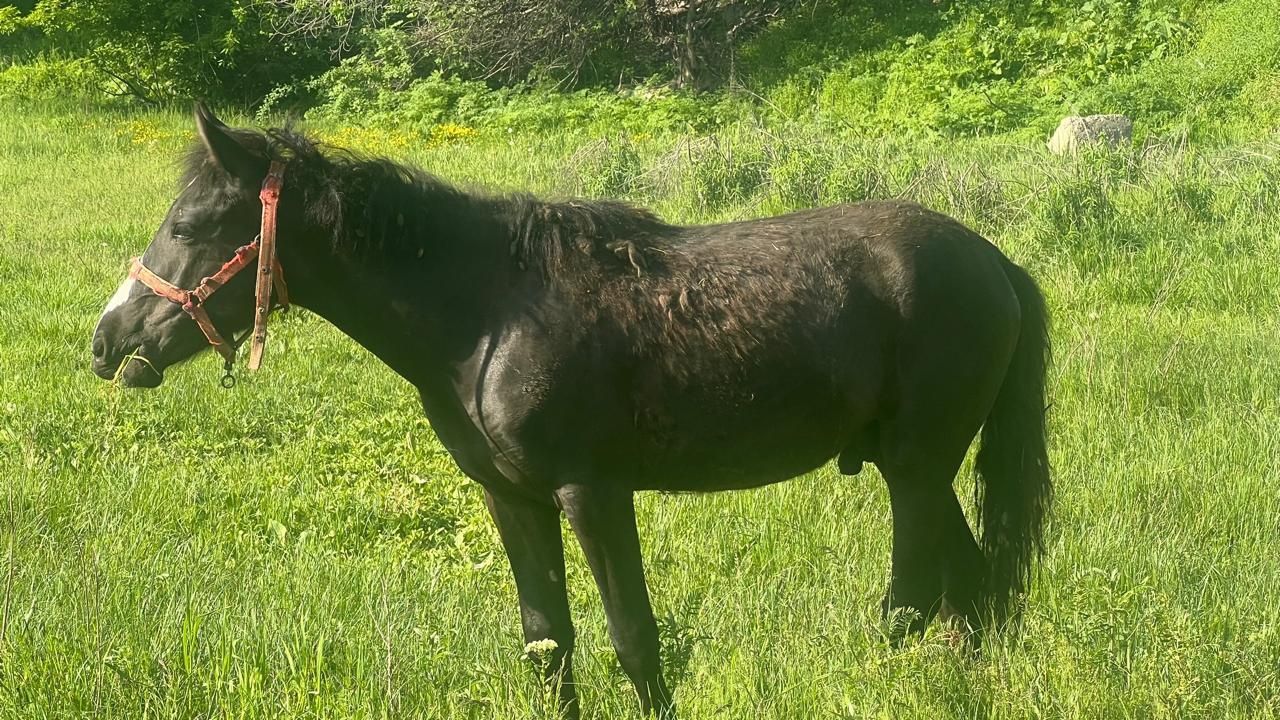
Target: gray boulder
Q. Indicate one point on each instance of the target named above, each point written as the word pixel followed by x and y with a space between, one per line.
pixel 1076 131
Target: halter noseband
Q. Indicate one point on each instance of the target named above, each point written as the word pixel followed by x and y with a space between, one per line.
pixel 270 274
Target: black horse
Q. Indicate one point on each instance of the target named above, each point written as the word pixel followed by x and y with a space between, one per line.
pixel 571 353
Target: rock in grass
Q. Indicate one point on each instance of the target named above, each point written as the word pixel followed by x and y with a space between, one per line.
pixel 1076 131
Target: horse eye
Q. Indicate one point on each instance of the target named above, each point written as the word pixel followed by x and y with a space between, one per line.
pixel 182 233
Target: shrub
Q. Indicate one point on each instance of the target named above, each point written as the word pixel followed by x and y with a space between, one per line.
pixel 609 168
pixel 970 68
pixel 51 80
pixel 799 170
pixel 161 50
pixel 1227 84
pixel 381 92
pixel 719 173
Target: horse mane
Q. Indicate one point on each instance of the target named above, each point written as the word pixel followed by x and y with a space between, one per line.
pixel 376 206
pixel 552 234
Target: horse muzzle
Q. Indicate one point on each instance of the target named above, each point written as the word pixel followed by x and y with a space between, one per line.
pixel 132 369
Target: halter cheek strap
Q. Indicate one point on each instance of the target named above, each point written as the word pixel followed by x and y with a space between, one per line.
pixel 268 266
pixel 270 275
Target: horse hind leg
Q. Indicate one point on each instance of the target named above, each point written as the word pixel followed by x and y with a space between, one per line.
pixel 938 567
pixel 937 564
pixel 963 572
pixel 945 392
pixel 916 587
pixel 935 557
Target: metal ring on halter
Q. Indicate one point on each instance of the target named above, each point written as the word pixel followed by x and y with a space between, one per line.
pixel 228 380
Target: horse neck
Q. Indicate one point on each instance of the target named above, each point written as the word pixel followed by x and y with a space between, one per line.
pixel 418 298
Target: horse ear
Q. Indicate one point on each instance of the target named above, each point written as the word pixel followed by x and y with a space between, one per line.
pixel 202 111
pixel 224 149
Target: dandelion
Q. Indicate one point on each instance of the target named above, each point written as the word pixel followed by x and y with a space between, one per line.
pixel 144 133
pixel 446 133
pixel 369 140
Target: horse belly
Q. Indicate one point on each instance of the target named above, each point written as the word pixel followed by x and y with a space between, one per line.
pixel 700 444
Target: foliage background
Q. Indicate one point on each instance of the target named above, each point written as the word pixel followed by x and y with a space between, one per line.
pixel 901 67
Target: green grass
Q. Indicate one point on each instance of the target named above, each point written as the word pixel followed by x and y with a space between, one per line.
pixel 302 547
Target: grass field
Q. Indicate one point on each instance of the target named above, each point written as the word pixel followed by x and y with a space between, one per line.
pixel 302 547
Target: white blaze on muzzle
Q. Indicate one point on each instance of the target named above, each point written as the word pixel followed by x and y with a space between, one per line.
pixel 119 298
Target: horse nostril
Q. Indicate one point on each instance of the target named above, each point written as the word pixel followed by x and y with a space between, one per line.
pixel 99 348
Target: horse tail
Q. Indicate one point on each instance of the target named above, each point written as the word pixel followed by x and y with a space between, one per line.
pixel 1014 491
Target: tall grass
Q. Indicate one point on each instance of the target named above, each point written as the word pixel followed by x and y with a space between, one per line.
pixel 303 547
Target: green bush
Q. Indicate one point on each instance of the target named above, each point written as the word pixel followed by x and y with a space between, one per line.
pixel 10 19
pixel 972 68
pixel 859 70
pixel 162 50
pixel 384 92
pixel 609 168
pixel 648 110
pixel 1226 85
pixel 51 80
pixel 720 173
pixel 799 170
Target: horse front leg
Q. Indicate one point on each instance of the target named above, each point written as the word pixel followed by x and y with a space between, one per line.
pixel 531 536
pixel 604 521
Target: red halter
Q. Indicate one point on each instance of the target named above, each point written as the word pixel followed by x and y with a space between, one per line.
pixel 270 274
